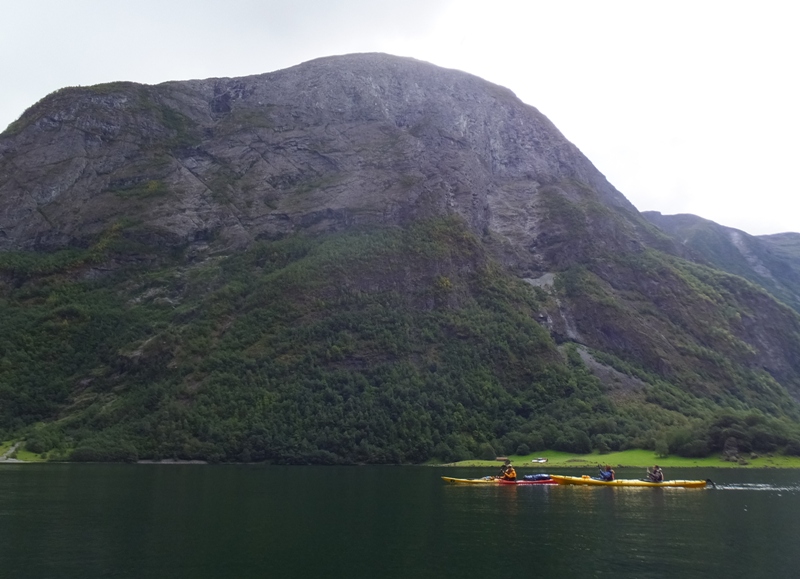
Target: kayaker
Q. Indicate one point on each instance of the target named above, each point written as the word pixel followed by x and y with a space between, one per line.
pixel 655 475
pixel 607 473
pixel 507 471
pixel 503 468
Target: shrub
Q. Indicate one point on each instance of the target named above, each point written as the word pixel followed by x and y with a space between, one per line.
pixel 677 439
pixel 574 441
pixel 122 452
pixel 793 448
pixel 536 442
pixel 486 452
pixel 694 449
pixel 35 446
pixel 600 444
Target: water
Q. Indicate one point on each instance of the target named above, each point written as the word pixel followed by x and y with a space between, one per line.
pixel 153 521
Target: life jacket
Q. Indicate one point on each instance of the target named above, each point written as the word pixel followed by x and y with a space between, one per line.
pixel 510 474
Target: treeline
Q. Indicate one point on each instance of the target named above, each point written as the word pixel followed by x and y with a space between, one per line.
pixel 379 346
pixel 734 433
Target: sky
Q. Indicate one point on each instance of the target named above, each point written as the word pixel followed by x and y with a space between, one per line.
pixel 685 106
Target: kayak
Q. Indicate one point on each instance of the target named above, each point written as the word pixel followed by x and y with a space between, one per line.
pixel 587 480
pixel 495 481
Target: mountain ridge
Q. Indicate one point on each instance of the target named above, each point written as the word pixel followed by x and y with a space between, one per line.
pixel 209 184
pixel 771 261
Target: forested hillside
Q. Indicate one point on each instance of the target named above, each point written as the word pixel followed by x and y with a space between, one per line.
pixel 363 259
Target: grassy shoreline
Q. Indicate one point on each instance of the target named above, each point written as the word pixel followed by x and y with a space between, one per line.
pixel 632 458
pixel 622 459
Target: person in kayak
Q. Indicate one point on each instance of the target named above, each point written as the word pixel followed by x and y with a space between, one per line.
pixel 607 473
pixel 655 475
pixel 507 472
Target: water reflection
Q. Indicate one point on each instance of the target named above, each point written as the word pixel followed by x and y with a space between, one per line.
pixel 134 521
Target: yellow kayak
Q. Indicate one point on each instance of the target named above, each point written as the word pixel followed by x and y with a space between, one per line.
pixel 587 480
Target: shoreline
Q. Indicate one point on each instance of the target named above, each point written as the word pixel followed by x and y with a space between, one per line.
pixel 543 460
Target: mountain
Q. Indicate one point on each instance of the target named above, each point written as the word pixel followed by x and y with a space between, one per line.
pixel 362 258
pixel 771 261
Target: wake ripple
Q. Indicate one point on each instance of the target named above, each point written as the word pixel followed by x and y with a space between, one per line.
pixel 756 487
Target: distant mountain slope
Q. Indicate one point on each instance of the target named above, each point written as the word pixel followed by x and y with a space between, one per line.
pixel 771 261
pixel 786 246
pixel 360 259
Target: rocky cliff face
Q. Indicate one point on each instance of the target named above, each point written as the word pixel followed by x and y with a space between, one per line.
pixel 365 138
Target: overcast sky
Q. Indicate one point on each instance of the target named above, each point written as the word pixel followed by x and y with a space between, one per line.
pixel 686 106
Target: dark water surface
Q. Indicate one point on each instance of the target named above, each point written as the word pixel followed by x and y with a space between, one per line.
pixel 174 521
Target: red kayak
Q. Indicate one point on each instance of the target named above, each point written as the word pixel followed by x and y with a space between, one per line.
pixel 496 481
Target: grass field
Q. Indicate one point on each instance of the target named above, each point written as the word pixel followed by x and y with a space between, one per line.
pixel 27 456
pixel 20 453
pixel 642 458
